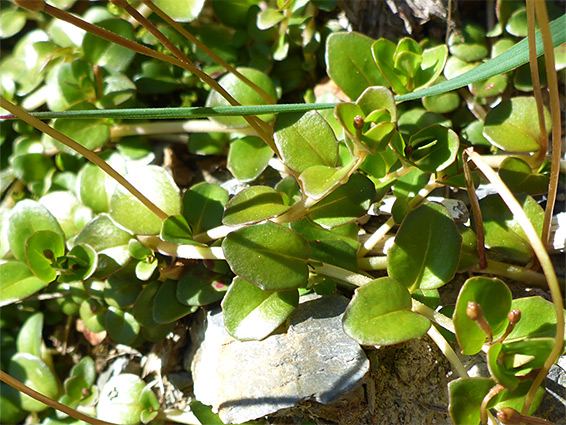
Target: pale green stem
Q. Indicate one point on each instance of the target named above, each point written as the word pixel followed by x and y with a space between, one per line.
pixel 354 279
pixel 170 127
pixel 544 260
pixel 518 273
pixel 189 252
pixel 374 239
pixel 215 233
pixel 448 352
pixel 373 263
pixel 395 174
pixel 436 317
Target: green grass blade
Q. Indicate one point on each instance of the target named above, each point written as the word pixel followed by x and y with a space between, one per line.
pixel 510 59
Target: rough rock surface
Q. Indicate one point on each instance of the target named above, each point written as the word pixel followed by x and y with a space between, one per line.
pixel 312 359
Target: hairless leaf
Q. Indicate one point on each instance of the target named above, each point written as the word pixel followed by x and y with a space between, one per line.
pixel 380 314
pixel 502 231
pixel 17 282
pixel 519 177
pixel 93 314
pixel 318 180
pixel 82 262
pixel 494 298
pixel 143 307
pixel 33 372
pixel 515 399
pixel 509 125
pixel 121 326
pixel 42 250
pixel 252 205
pixel 499 372
pixel 350 63
pixel 101 233
pixel 28 217
pixel 270 256
pixel 538 319
pixel 166 308
pixel 252 314
pixel 248 157
pixel 176 229
pixel 466 396
pixel 345 204
pixel 304 140
pixel 29 338
pixel 200 286
pixel 181 10
pixel 203 206
pixel 427 248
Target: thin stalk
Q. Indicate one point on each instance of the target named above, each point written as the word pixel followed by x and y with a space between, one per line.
pixel 215 233
pixel 388 225
pixel 517 273
pixel 206 50
pixel 171 127
pixel 181 113
pixel 352 279
pixel 476 210
pixel 88 154
pixel 448 352
pixel 373 263
pixel 438 318
pixel 542 17
pixel 259 126
pixel 535 78
pixel 544 260
pixel 189 252
pixel 14 383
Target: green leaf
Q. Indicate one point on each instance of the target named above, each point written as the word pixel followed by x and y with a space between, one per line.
pixel 92 134
pixel 304 140
pixel 497 370
pixel 122 326
pixel 270 256
pixel 318 180
pixel 28 217
pixel 248 157
pixel 254 204
pixel 243 93
pixel 503 234
pixel 203 206
pixel 469 44
pixel 31 167
pixel 43 248
pixel 519 177
pixel 119 400
pixel 101 233
pixel 494 298
pixel 17 282
pixel 82 262
pixel 466 396
pixel 509 125
pixel 538 319
pixel 143 308
pixel 29 338
pixel 166 308
pixel 384 51
pixel 345 204
pixel 148 398
pixel 515 399
pixel 145 269
pixel 432 65
pixel 200 286
pixel 426 250
pixel 380 314
pixel 181 10
pixel 350 63
pixel 33 372
pixel 158 186
pixel 93 314
pixel 510 59
pixel 253 314
pixel 176 229
pixel 432 149
pixel 106 54
pixel 204 413
pixel 11 22
pixel 10 412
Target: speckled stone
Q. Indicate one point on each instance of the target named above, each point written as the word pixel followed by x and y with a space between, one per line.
pixel 312 359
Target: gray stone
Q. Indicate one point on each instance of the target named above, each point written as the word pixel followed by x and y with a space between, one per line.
pixel 312 359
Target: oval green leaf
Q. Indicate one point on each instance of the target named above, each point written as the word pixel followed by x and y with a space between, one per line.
pixel 203 206
pixel 426 250
pixel 17 282
pixel 272 257
pixel 494 298
pixel 43 248
pixel 248 157
pixel 254 204
pixel 380 314
pixel 200 286
pixel 166 308
pixel 253 314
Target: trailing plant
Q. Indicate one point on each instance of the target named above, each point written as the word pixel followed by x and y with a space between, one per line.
pixel 92 229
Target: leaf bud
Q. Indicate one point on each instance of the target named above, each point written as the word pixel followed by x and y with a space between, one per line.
pixel 359 122
pixel 514 316
pixel 33 5
pixel 474 311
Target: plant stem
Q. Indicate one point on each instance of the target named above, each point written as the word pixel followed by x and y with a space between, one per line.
pixel 448 352
pixel 215 233
pixel 518 273
pixel 206 50
pixel 14 383
pixel 190 252
pixel 353 279
pixel 88 154
pixel 172 127
pixel 373 263
pixel 544 260
pixel 438 318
